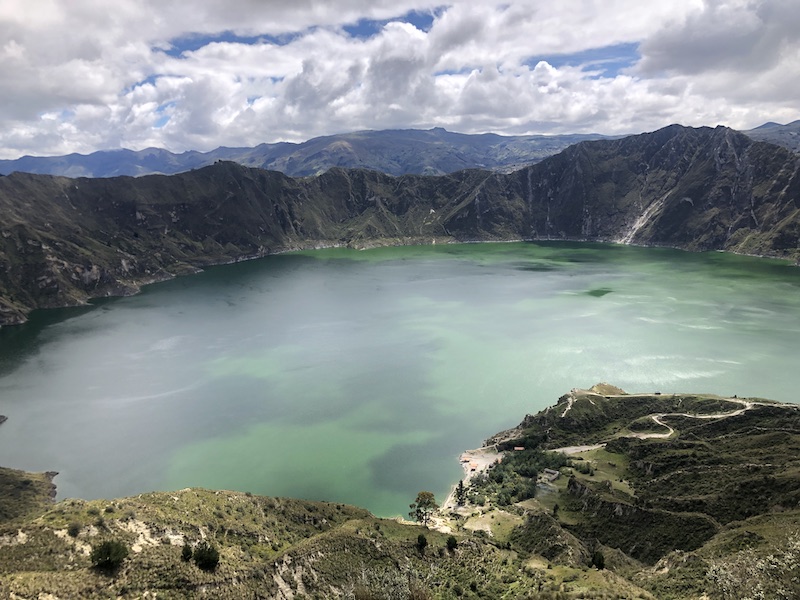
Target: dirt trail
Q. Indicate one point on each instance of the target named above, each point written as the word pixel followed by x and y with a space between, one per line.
pixel 578 449
pixel 746 405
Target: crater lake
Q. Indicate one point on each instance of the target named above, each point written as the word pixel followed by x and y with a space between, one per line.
pixel 359 377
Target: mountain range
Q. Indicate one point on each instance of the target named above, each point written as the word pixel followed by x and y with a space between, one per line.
pixel 63 241
pixel 394 152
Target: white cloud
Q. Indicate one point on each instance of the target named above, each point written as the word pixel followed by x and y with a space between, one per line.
pixel 79 76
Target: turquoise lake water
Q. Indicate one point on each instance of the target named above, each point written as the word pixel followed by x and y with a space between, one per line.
pixel 359 377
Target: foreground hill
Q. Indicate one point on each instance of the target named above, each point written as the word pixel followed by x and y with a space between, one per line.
pixel 670 496
pixel 395 152
pixel 63 240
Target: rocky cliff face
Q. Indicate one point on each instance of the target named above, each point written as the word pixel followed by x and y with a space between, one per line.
pixel 63 240
pixel 698 189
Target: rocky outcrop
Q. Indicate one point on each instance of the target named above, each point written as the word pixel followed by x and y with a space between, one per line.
pixel 63 240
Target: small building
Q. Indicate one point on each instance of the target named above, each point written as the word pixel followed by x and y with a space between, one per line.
pixel 518 448
pixel 551 475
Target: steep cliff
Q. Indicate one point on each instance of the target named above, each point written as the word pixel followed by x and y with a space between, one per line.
pixel 63 241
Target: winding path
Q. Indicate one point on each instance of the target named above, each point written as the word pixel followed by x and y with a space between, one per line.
pixel 657 418
pixel 746 405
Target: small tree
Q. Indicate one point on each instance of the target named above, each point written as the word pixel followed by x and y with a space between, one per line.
pixel 422 543
pixel 452 543
pixel 598 560
pixel 423 507
pixel 108 556
pixel 74 529
pixel 461 493
pixel 206 556
pixel 186 552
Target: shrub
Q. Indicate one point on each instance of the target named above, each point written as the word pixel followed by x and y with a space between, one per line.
pixel 186 552
pixel 422 543
pixel 598 560
pixel 108 556
pixel 74 529
pixel 206 556
pixel 452 543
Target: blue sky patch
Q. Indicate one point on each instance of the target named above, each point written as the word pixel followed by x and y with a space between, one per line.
pixel 462 71
pixel 609 60
pixel 366 28
pixel 192 42
pixel 150 79
pixel 161 121
pixel 163 115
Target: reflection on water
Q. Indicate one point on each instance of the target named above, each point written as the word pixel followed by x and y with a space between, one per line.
pixel 360 376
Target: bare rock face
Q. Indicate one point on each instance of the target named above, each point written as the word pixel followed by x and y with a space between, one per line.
pixel 63 241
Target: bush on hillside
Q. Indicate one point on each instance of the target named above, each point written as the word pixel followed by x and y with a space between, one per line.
pixel 108 556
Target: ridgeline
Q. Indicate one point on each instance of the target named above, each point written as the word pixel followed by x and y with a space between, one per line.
pixel 64 241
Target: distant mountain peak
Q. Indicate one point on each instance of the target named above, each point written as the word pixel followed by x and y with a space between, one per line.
pixel 767 125
pixel 787 135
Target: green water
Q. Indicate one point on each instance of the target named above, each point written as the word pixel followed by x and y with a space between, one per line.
pixel 360 376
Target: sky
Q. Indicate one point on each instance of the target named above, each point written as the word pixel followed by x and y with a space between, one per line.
pixel 87 75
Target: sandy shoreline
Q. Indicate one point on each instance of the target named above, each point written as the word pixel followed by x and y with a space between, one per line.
pixel 473 462
pixel 477 461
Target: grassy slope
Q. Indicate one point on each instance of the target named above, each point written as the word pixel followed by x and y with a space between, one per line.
pixel 269 547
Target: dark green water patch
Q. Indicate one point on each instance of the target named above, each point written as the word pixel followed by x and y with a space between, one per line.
pixel 599 292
